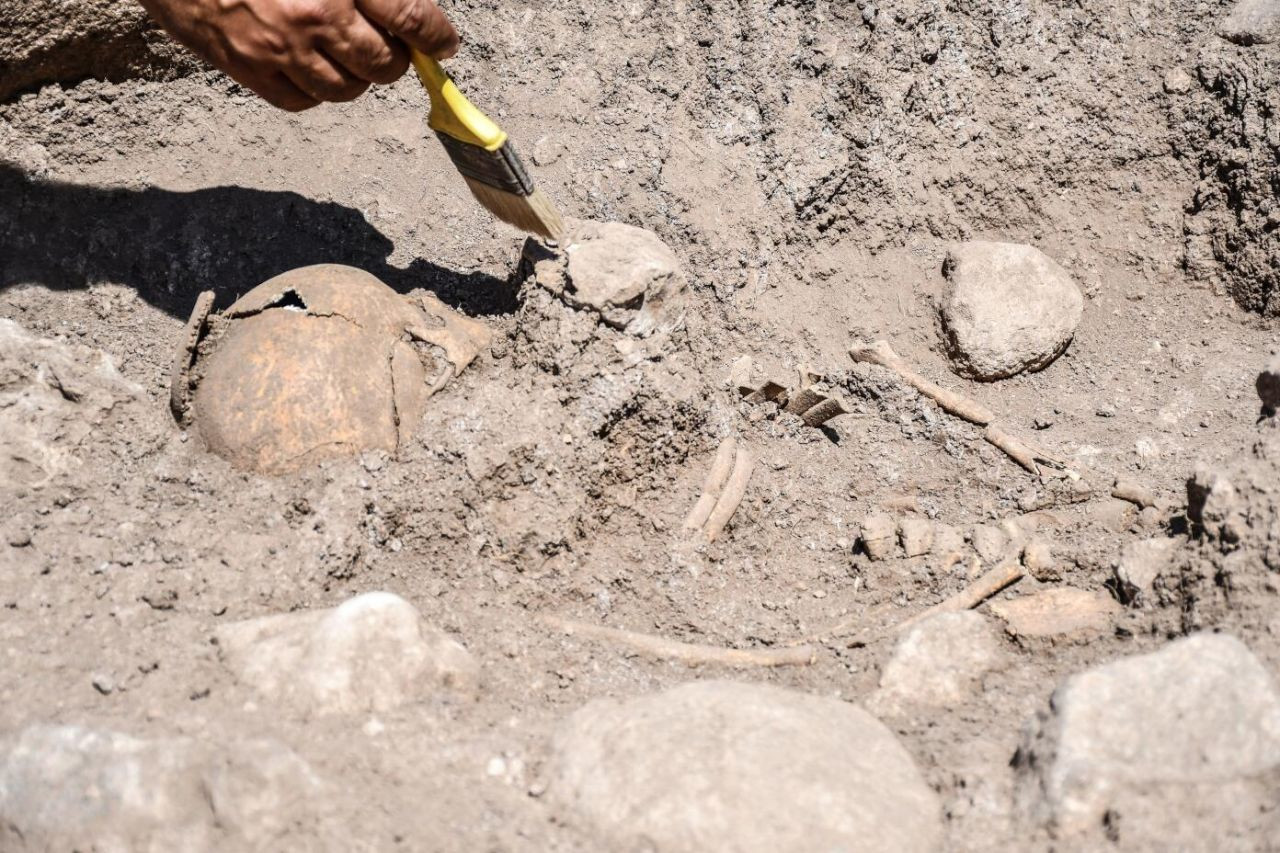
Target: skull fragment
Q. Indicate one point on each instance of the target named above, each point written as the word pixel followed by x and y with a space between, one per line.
pixel 320 362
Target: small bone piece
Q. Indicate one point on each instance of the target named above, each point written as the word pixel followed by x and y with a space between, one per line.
pixel 829 408
pixel 916 535
pixel 877 537
pixel 179 378
pixel 990 542
pixel 880 353
pixel 1134 493
pixel 803 400
pixel 731 497
pixel 947 539
pixel 687 653
pixel 716 479
pixel 1027 456
pixel 1037 558
pixel 1005 574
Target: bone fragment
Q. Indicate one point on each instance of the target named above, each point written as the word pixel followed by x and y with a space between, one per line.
pixel 978 591
pixel 180 379
pixel 880 353
pixel 825 411
pixel 1037 558
pixel 1134 493
pixel 687 653
pixel 1005 574
pixel 877 536
pixel 916 535
pixel 803 400
pixel 1026 455
pixel 716 477
pixel 769 392
pixel 734 490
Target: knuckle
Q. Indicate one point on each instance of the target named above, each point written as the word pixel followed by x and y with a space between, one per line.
pixel 409 16
pixel 309 12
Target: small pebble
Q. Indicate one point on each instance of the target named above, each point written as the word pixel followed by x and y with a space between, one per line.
pixel 104 684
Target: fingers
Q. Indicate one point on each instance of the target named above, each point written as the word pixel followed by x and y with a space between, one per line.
pixel 325 79
pixel 420 23
pixel 368 51
pixel 273 87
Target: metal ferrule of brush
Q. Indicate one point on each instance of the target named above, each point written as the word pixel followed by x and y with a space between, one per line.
pixel 499 169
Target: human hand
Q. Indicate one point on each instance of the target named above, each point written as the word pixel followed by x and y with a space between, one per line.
pixel 297 53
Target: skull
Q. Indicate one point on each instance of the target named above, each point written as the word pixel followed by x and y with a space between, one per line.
pixel 320 362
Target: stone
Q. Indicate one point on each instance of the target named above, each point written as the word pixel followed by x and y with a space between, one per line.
pixel 916 535
pixel 318 363
pixel 1268 385
pixel 718 765
pixel 69 787
pixel 54 396
pixel 878 535
pixel 1171 746
pixel 1007 308
pixel 1177 81
pixel 1057 612
pixel 372 654
pixel 1252 22
pixel 625 275
pixel 990 542
pixel 939 662
pixel 1140 564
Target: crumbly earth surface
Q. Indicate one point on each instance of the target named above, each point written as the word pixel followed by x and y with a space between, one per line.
pixel 809 163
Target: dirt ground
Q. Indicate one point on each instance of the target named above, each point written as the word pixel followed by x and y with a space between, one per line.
pixel 809 162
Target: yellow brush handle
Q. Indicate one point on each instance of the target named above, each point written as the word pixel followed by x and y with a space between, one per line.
pixel 451 112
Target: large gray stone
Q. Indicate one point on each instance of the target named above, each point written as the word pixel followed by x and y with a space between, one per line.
pixel 1252 22
pixel 726 766
pixel 939 662
pixel 1173 747
pixel 72 788
pixel 1007 308
pixel 371 654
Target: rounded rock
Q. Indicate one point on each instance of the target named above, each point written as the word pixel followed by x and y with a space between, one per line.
pixel 1008 308
pixel 720 765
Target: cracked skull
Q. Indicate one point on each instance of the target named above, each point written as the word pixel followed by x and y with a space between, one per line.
pixel 317 363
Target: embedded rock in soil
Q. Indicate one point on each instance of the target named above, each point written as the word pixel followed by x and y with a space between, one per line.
pixel 1141 563
pixel 1007 308
pixel 372 654
pixel 939 662
pixel 1057 612
pixel 1252 22
pixel 1168 748
pixel 44 42
pixel 720 765
pixel 626 275
pixel 320 362
pixel 53 396
pixel 73 788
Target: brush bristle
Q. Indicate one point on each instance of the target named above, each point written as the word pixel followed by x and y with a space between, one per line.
pixel 534 213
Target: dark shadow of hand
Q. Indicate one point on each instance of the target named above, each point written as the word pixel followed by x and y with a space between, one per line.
pixel 170 246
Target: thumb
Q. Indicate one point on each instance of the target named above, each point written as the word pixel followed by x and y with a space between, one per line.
pixel 418 23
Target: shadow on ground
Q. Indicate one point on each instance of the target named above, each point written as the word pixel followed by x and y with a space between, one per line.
pixel 170 246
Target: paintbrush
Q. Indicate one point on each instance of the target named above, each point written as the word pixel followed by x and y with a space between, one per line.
pixel 483 154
